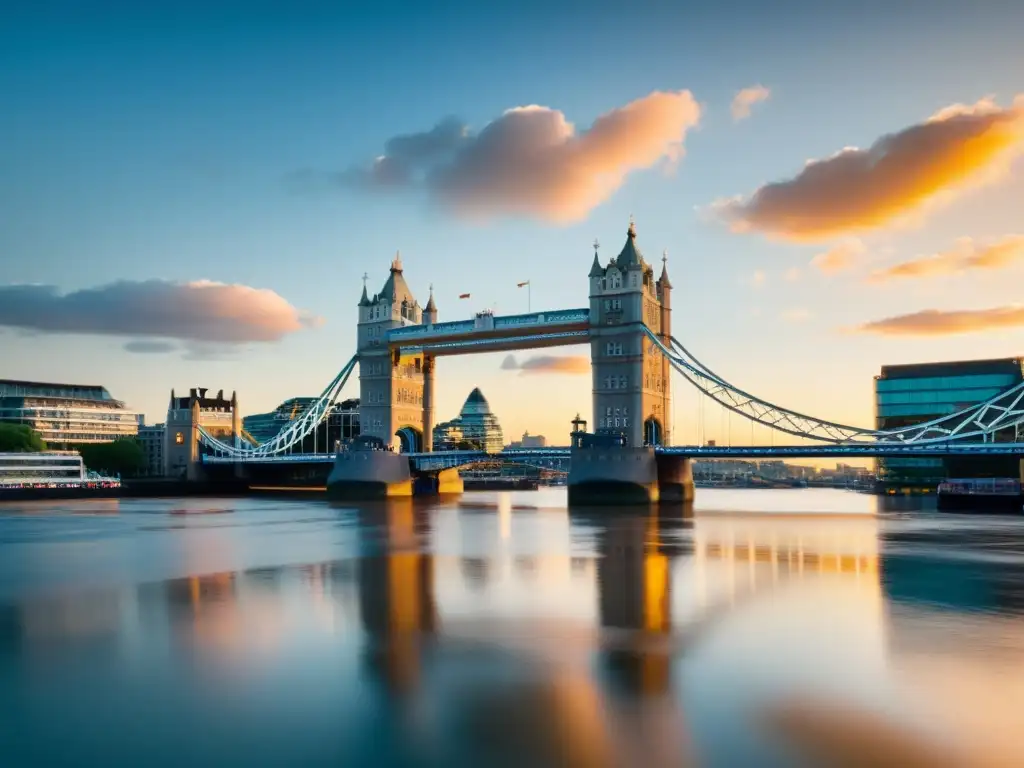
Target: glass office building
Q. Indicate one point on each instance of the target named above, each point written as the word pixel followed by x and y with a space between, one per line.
pixel 65 415
pixel 906 395
pixel 475 424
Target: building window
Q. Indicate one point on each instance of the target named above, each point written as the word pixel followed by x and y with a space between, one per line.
pixel 614 348
pixel 179 438
pixel 608 411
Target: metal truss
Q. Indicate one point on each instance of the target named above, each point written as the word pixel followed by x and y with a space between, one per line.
pixel 977 423
pixel 291 433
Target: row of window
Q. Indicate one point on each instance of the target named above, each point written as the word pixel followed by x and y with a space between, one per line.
pixel 612 305
pixel 605 423
pixel 34 459
pixel 926 410
pixel 938 396
pixel 970 381
pixel 609 411
pixel 616 382
pixel 655 382
pixel 613 348
pixel 409 396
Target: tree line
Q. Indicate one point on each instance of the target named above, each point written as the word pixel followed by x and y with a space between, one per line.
pixel 123 457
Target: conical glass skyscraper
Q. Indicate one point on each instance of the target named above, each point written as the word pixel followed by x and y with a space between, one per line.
pixel 476 424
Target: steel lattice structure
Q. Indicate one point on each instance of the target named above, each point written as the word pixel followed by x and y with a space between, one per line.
pixel 976 423
pixel 295 430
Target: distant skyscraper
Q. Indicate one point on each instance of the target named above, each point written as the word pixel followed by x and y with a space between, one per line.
pixel 475 424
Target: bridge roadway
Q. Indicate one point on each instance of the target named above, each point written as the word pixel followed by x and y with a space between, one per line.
pixel 448 459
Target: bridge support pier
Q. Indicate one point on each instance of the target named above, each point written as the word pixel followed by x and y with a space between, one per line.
pixel 613 476
pixel 622 476
pixel 444 483
pixel 368 475
pixel 675 479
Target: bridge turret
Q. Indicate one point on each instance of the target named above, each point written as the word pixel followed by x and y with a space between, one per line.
pixel 390 386
pixel 430 311
pixel 665 296
pixel 630 377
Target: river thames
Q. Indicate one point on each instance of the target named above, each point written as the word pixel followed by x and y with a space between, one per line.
pixel 769 627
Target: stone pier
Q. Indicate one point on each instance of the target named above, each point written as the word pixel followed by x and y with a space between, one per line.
pixel 623 476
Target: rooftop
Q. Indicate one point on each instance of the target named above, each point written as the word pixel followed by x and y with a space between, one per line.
pixel 20 388
pixel 1011 365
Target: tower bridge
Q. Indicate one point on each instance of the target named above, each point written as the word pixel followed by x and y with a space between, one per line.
pixel 630 456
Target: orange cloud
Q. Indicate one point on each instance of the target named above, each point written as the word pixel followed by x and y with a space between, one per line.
pixel 839 258
pixel 746 98
pixel 934 322
pixel 863 189
pixel 202 312
pixel 532 161
pixel 966 256
pixel 573 365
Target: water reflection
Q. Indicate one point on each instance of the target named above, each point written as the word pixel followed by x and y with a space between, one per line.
pixel 506 634
pixel 396 591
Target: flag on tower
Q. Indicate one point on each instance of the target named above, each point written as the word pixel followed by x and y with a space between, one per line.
pixel 522 284
pixel 463 295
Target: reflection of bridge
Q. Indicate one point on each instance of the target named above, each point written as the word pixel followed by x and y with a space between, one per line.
pixel 633 354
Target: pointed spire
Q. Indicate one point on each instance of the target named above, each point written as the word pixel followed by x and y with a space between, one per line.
pixel 630 255
pixel 665 283
pixel 431 306
pixel 595 268
pixel 364 300
pixel 396 264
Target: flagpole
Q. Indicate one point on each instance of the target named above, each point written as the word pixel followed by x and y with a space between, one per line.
pixel 529 297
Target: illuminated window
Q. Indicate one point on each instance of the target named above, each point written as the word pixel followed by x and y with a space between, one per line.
pixel 179 438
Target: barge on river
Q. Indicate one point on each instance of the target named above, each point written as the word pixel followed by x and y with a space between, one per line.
pixel 982 494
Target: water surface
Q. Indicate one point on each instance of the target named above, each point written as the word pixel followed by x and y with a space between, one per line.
pixel 502 629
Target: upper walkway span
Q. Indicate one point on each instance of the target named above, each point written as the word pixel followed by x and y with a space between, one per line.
pixel 493 333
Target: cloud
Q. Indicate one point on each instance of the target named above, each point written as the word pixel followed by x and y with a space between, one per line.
pixel 144 347
pixel 759 278
pixel 792 274
pixel 863 189
pixel 200 311
pixel 746 98
pixel 796 315
pixel 574 365
pixel 934 322
pixel 530 161
pixel 838 258
pixel 967 255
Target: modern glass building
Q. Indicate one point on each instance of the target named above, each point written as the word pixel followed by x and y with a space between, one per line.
pixel 475 424
pixel 906 395
pixel 66 414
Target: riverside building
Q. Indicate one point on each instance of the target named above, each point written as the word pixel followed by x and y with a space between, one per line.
pixel 906 395
pixel 65 415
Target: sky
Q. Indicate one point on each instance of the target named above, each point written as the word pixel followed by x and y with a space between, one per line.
pixel 189 197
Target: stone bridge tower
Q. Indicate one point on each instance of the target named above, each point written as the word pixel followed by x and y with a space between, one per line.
pixel 391 397
pixel 632 378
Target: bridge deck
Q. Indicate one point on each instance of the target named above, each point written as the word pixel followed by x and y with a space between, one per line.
pixel 526 455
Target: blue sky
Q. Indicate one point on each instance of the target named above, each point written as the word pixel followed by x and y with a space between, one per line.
pixel 158 144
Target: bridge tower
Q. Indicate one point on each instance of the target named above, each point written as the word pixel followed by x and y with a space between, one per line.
pixel 632 382
pixel 392 403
